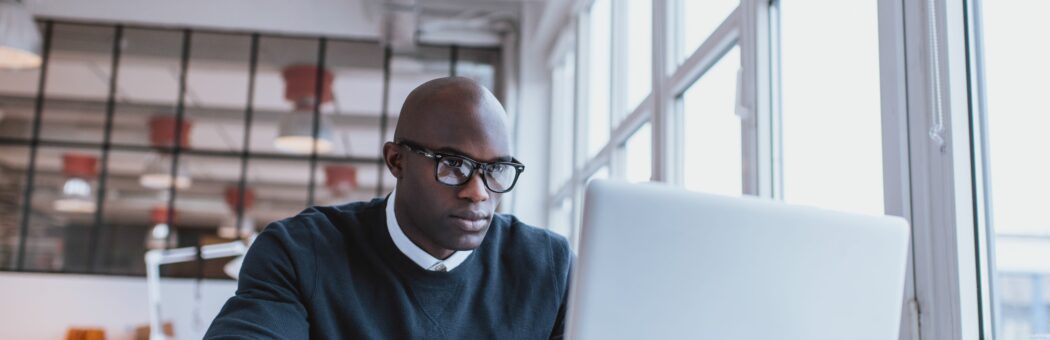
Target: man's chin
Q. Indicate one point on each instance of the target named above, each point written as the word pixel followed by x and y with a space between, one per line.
pixel 467 242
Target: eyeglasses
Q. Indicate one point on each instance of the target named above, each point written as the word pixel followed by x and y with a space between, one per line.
pixel 456 170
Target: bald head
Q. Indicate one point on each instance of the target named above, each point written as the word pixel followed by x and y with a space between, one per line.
pixel 450 110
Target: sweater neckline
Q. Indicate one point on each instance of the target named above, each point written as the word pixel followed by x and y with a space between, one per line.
pixel 404 265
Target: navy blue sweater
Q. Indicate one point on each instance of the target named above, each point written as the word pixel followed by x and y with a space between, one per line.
pixel 334 273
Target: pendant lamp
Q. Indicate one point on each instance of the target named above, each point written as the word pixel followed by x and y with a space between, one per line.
pixel 76 191
pixel 295 132
pixel 160 235
pixel 19 38
pixel 158 174
pixel 229 228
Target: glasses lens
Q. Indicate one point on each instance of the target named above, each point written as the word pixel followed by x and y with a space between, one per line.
pixel 500 177
pixel 453 170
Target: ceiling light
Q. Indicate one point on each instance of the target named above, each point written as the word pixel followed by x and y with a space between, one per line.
pixel 157 174
pixel 296 134
pixel 76 191
pixel 341 180
pixel 229 228
pixel 162 135
pixel 296 130
pixel 160 235
pixel 19 38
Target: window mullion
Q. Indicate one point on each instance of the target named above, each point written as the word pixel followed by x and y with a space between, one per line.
pixel 940 175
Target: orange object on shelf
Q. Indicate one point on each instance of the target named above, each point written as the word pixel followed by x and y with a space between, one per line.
pixel 77 333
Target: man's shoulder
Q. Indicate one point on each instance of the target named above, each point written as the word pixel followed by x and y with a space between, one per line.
pixel 327 220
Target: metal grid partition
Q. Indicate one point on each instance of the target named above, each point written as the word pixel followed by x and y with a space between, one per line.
pixel 186 74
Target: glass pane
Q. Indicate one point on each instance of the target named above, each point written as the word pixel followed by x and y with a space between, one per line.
pixel 213 268
pixel 276 97
pixel 1015 70
pixel 357 97
pixel 127 214
pixel 480 64
pixel 217 90
pixel 598 126
pixel 638 52
pixel 281 188
pixel 831 121
pixel 120 248
pixel 13 161
pixel 697 20
pixel 408 71
pixel 77 85
pixel 17 99
pixel 639 155
pixel 148 86
pixel 65 189
pixel 338 183
pixel 713 161
pixel 203 205
pixel 561 218
pixel 562 113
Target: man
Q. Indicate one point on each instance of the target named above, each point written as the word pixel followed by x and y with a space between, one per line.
pixel 432 261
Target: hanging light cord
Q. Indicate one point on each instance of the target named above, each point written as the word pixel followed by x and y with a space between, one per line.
pixel 936 109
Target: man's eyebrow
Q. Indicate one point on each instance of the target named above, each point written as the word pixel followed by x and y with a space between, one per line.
pixel 451 150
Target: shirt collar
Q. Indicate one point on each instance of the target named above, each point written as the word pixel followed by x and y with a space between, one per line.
pixel 414 252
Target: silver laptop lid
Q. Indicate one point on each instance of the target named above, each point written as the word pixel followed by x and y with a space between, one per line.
pixel 657 262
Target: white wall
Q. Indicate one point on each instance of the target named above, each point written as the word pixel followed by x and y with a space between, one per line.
pixel 44 306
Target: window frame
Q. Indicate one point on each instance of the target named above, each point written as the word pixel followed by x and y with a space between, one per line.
pixel 935 190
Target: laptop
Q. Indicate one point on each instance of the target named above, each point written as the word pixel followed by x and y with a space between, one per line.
pixel 657 262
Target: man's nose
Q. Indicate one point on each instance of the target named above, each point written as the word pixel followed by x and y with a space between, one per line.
pixel 474 190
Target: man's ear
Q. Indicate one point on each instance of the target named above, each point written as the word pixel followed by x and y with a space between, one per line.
pixel 392 158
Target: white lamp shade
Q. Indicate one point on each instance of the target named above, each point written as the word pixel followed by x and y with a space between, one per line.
pixel 76 197
pixel 19 39
pixel 158 174
pixel 296 134
pixel 160 237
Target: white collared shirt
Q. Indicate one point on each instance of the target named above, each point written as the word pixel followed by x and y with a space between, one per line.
pixel 414 252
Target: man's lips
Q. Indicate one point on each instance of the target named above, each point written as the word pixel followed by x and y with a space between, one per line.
pixel 470 222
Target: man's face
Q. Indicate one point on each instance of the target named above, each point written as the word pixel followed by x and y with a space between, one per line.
pixel 452 217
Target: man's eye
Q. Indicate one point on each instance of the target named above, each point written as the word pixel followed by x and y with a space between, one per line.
pixel 453 162
pixel 497 168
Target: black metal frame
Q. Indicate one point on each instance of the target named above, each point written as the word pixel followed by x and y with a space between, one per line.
pixel 35 142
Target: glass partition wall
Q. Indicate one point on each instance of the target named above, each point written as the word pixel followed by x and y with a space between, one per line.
pixel 131 138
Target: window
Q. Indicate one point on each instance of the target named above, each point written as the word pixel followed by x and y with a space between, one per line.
pixel 70 204
pixel 1015 124
pixel 696 21
pixel 830 106
pixel 599 50
pixel 562 114
pixel 638 152
pixel 561 218
pixel 712 149
pixel 637 52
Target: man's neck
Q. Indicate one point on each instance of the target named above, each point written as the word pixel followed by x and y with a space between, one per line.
pixel 416 237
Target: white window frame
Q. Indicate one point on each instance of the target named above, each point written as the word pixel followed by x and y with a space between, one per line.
pixel 931 188
pixel 931 185
pixel 669 81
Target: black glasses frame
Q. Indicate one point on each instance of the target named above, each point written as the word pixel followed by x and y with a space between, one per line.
pixel 474 165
